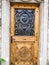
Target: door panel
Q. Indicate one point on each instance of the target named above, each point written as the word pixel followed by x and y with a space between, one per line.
pixel 24 34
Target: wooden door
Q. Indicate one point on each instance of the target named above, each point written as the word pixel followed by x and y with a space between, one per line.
pixel 24 31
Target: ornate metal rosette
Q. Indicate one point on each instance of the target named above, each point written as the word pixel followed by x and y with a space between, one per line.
pixel 24 22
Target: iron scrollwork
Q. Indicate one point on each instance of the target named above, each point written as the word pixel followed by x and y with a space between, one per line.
pixel 24 22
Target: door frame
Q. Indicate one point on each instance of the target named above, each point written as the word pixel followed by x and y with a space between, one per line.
pixel 6 33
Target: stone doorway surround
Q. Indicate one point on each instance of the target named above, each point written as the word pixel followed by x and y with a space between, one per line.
pixel 5 50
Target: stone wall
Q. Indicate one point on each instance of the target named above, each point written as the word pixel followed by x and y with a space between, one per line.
pixel 0 27
pixel 0 30
pixel 48 31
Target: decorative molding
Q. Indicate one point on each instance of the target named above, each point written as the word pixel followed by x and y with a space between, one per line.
pixel 38 1
pixel 33 0
pixel 25 0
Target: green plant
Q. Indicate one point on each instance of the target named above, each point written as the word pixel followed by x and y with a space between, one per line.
pixel 2 60
pixel 48 63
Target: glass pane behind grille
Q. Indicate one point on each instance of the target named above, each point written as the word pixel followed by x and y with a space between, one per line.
pixel 24 22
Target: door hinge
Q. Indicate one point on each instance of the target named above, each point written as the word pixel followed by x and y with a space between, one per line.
pixel 11 39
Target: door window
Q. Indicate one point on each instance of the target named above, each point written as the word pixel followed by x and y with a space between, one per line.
pixel 24 22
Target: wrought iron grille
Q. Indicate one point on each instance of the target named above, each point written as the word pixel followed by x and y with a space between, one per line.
pixel 24 22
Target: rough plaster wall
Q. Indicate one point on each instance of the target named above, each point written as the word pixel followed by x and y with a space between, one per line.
pixel 48 31
pixel 0 27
